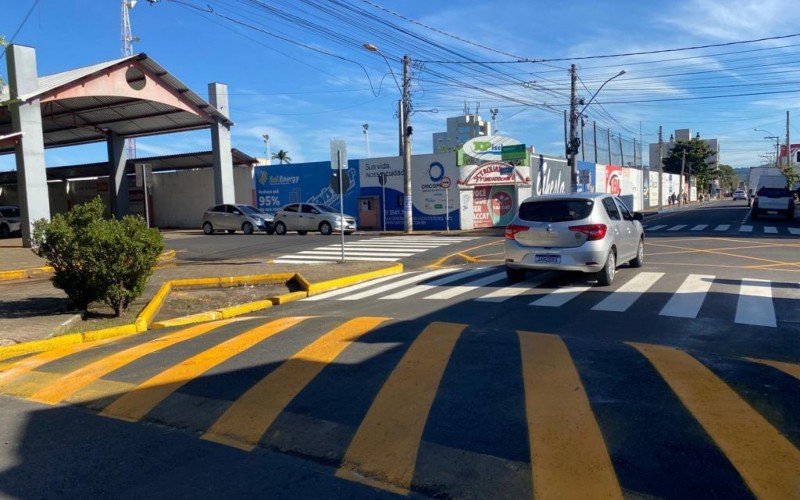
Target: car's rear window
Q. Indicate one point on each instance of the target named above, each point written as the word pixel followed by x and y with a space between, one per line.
pixel 10 212
pixel 555 210
pixel 774 192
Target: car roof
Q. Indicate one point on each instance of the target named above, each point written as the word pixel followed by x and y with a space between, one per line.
pixel 567 196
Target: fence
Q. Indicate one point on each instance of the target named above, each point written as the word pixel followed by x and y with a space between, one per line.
pixel 601 145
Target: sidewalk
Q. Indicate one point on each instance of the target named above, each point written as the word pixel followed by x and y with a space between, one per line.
pixel 13 256
pixel 34 309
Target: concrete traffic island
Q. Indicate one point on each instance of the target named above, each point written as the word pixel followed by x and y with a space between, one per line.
pixel 313 280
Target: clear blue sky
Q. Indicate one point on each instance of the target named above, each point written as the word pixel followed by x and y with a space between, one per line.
pixel 303 98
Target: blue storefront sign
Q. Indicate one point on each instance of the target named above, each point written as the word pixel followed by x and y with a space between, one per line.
pixel 279 185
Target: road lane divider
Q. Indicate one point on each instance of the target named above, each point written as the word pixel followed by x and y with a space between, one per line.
pixel 790 369
pixel 386 443
pixel 569 458
pixel 64 387
pixel 134 405
pixel 244 423
pixel 767 461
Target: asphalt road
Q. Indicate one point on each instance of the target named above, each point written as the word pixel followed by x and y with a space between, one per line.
pixel 681 380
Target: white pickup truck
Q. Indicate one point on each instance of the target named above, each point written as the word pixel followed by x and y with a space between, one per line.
pixel 772 197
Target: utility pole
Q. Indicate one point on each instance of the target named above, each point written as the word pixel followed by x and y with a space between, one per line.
pixel 574 142
pixel 583 143
pixel 366 138
pixel 683 166
pixel 788 147
pixel 621 153
pixel 266 148
pixel 407 130
pixel 660 169
pixel 608 143
pixel 566 141
pixel 494 112
pixel 594 131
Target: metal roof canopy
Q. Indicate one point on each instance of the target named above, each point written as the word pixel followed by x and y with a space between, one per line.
pixel 132 97
pixel 182 161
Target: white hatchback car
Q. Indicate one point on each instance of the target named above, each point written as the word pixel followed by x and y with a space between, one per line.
pixel 587 232
pixel 10 221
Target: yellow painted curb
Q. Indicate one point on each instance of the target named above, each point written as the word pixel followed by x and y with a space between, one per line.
pixel 324 286
pixel 144 320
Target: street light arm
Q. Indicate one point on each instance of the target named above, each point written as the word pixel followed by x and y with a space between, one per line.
pixel 598 91
pixel 373 48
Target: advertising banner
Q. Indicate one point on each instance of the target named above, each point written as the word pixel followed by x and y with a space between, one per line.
pixel 550 175
pixel 493 205
pixel 613 180
pixel 654 182
pixel 487 148
pixel 279 185
pixel 427 194
pixel 493 173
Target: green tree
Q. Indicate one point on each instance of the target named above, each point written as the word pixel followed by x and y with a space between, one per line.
pixel 282 156
pixel 728 179
pixel 698 157
pixel 97 259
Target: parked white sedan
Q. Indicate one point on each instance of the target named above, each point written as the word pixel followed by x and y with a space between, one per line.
pixel 305 217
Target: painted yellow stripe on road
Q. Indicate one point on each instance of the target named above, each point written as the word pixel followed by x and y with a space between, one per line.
pixel 136 404
pixel 768 462
pixel 71 383
pixel 569 458
pixel 31 363
pixel 787 368
pixel 386 443
pixel 249 417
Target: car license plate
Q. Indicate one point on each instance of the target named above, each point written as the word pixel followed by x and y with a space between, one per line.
pixel 772 212
pixel 547 259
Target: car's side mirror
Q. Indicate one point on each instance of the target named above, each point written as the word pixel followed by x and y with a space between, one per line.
pixel 638 216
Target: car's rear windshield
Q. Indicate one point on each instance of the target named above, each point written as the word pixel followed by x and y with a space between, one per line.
pixel 774 192
pixel 555 210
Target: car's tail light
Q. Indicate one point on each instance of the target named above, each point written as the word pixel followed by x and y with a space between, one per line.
pixel 593 231
pixel 513 229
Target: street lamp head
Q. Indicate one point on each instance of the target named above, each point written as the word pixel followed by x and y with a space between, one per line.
pixel 622 72
pixel 370 47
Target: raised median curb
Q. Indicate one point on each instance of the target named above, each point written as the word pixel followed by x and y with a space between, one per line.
pixel 35 272
pixel 144 320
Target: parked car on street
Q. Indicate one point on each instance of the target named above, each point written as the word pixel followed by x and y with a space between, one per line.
pixel 305 217
pixel 773 201
pixel 9 221
pixel 739 194
pixel 234 218
pixel 587 232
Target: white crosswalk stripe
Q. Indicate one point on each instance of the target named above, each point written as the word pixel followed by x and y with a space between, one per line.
pixel 656 228
pixel 378 249
pixel 746 229
pixel 771 230
pixel 688 300
pixel 722 227
pixel 699 227
pixel 351 289
pixel 455 291
pixel 795 231
pixel 560 296
pixel 755 305
pixel 677 228
pixel 623 297
pixel 397 284
pixel 505 293
pixel 433 284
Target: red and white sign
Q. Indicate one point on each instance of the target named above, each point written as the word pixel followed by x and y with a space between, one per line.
pixel 614 179
pixel 492 174
pixel 481 215
pixel 445 183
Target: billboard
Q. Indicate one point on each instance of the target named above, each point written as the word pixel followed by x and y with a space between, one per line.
pixel 493 206
pixel 428 197
pixel 613 179
pixel 550 175
pixel 279 185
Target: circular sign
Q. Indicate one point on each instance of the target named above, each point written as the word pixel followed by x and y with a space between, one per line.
pixel 436 171
pixel 445 182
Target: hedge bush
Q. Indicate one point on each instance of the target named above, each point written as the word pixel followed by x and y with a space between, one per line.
pixel 98 259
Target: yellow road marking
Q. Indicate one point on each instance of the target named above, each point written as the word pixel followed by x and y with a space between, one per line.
pixel 33 362
pixel 72 382
pixel 569 458
pixel 787 368
pixel 718 252
pixel 386 443
pixel 136 404
pixel 249 417
pixel 462 253
pixel 687 264
pixel 767 461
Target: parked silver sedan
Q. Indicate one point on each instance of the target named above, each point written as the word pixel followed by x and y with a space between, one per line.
pixel 587 232
pixel 305 217
pixel 234 218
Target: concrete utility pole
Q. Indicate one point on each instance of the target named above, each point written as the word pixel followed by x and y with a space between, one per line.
pixel 408 211
pixel 788 146
pixel 660 169
pixel 594 131
pixel 494 112
pixel 621 153
pixel 573 144
pixel 127 50
pixel 683 166
pixel 583 143
pixel 608 143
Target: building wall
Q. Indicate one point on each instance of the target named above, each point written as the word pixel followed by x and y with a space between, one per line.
pixel 460 129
